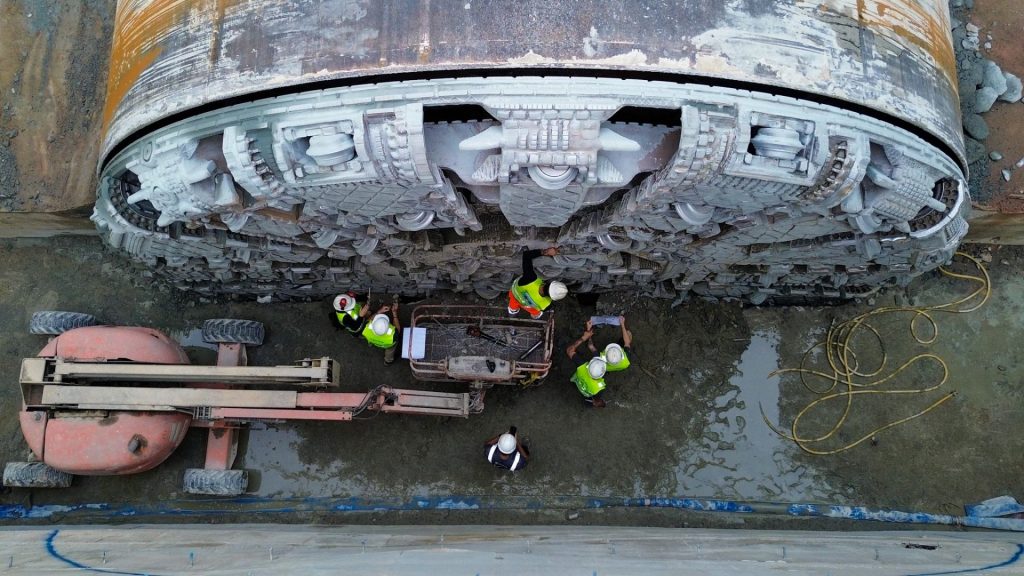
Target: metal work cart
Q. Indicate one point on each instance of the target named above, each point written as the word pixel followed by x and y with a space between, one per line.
pixel 480 345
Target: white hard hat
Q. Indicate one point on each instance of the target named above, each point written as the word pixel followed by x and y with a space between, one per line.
pixel 557 290
pixel 597 367
pixel 507 443
pixel 380 324
pixel 613 353
pixel 344 303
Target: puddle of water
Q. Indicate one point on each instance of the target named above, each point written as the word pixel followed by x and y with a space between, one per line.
pixel 272 456
pixel 739 456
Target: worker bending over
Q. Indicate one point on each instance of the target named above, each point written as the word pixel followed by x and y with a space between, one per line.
pixel 382 332
pixel 506 451
pixel 615 354
pixel 530 292
pixel 350 314
pixel 589 376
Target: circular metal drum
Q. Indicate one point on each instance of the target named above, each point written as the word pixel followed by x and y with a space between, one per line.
pixel 746 149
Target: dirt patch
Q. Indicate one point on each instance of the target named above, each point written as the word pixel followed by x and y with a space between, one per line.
pixel 53 77
pixel 1002 20
pixel 9 184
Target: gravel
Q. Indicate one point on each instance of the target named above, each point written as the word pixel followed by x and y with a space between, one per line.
pixel 975 126
pixel 984 99
pixel 1014 89
pixel 994 78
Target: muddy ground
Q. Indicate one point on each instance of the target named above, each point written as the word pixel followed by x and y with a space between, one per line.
pixel 686 421
pixel 53 70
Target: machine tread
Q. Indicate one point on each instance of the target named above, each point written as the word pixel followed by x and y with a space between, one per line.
pixel 54 322
pixel 804 300
pixel 215 482
pixel 34 475
pixel 231 331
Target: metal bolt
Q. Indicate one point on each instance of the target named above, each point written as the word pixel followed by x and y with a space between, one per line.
pixel 135 444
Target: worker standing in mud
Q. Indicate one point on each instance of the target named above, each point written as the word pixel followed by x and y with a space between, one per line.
pixel 506 451
pixel 382 332
pixel 589 376
pixel 349 313
pixel 530 292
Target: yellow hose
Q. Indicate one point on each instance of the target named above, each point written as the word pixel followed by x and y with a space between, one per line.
pixel 845 369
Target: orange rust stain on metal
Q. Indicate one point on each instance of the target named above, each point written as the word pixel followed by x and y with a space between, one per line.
pixel 923 27
pixel 217 21
pixel 139 27
pixel 921 23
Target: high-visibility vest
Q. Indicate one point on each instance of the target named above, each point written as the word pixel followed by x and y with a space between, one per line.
pixel 529 295
pixel 621 365
pixel 385 341
pixel 587 385
pixel 492 457
pixel 353 314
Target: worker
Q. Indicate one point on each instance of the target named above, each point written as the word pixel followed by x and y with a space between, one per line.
pixel 349 313
pixel 589 376
pixel 616 354
pixel 506 451
pixel 530 292
pixel 382 332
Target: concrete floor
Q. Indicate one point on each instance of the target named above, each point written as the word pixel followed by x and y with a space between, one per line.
pixel 685 422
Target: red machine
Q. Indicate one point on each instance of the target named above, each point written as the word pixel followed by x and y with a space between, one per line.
pixel 105 400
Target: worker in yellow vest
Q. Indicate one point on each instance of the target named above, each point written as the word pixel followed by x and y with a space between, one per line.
pixel 530 292
pixel 589 376
pixel 350 314
pixel 617 354
pixel 382 332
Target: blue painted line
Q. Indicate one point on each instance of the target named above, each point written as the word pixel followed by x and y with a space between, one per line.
pixel 1009 562
pixel 268 507
pixel 52 550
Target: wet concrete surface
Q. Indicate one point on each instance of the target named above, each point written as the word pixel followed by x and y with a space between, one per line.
pixel 684 421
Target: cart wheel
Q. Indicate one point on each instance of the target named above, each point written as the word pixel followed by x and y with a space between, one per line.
pixel 54 323
pixel 228 331
pixel 34 475
pixel 215 482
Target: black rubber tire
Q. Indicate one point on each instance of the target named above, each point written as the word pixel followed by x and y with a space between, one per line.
pixel 34 475
pixel 54 322
pixel 215 482
pixel 228 331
